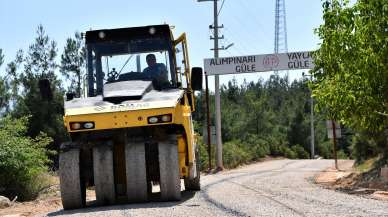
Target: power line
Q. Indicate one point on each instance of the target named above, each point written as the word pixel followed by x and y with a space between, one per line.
pixel 245 27
pixel 222 5
pixel 257 20
pixel 242 42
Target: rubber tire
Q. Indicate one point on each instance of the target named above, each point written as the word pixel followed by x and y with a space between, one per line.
pixel 104 174
pixel 194 184
pixel 170 183
pixel 72 190
pixel 136 170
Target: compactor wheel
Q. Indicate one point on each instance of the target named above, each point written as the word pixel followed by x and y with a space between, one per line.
pixel 135 162
pixel 72 189
pixel 103 173
pixel 193 184
pixel 170 183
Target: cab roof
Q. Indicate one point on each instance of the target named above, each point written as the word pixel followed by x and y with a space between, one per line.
pixel 128 34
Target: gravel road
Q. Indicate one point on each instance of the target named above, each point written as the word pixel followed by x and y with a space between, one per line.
pixel 272 188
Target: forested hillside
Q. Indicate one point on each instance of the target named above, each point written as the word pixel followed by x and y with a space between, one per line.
pixel 269 117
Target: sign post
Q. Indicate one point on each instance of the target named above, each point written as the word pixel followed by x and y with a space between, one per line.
pixel 334 132
pixel 208 124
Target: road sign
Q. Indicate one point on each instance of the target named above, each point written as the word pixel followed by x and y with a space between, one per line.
pixel 329 126
pixel 259 63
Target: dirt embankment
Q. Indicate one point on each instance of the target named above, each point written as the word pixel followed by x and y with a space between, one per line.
pixel 49 201
pixel 353 180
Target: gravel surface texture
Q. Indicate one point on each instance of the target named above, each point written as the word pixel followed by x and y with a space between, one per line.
pixel 272 188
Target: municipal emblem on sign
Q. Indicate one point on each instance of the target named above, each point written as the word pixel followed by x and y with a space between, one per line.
pixel 270 61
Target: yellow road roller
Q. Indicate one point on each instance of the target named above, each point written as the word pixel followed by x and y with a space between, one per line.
pixel 134 129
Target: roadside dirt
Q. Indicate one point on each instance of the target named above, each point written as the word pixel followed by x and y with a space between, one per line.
pixel 350 181
pixel 49 201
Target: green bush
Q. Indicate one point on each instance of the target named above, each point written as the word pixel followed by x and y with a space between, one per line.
pixel 235 154
pixel 300 152
pixel 203 153
pixel 325 149
pixel 23 160
pixel 342 155
pixel 288 153
pixel 275 149
pixel 363 147
pixel 256 147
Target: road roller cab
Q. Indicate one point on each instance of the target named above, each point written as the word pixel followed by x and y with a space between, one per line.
pixel 135 127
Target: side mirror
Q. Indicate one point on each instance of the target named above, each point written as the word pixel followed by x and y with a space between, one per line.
pixel 196 78
pixel 70 96
pixel 45 89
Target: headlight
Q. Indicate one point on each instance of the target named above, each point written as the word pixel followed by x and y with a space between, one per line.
pixel 88 125
pixel 75 126
pixel 81 125
pixel 153 120
pixel 101 34
pixel 160 119
pixel 166 118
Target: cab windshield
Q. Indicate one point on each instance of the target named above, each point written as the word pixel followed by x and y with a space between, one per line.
pixel 134 60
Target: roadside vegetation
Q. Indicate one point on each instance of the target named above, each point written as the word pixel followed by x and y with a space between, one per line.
pixel 268 118
pixel 351 73
pixel 23 161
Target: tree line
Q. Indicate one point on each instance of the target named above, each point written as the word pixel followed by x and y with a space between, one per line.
pixel 31 127
pixel 269 117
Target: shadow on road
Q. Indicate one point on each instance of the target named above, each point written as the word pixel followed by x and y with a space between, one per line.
pixel 154 203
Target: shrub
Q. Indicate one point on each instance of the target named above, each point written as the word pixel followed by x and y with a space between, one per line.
pixel 325 149
pixel 203 154
pixel 342 155
pixel 300 152
pixel 256 147
pixel 235 154
pixel 23 160
pixel 288 153
pixel 363 147
pixel 275 149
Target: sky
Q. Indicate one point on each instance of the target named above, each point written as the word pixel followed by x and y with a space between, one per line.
pixel 249 24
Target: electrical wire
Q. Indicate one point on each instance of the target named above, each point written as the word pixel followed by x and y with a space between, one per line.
pixel 239 40
pixel 257 20
pixel 222 5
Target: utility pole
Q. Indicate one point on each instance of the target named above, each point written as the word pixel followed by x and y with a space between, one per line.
pixel 219 162
pixel 209 153
pixel 312 126
pixel 312 137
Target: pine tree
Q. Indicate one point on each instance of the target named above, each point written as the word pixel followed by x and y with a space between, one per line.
pixel 1 57
pixel 3 89
pixel 73 62
pixel 45 115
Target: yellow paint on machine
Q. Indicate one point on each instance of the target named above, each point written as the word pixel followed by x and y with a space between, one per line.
pixel 181 115
pixel 182 155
